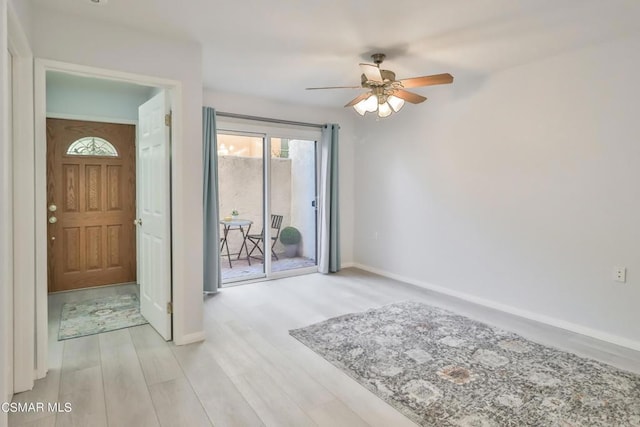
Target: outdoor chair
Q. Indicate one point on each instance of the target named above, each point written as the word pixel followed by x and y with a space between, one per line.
pixel 222 245
pixel 255 239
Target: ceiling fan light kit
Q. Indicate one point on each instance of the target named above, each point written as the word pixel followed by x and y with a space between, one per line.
pixel 395 103
pixel 367 105
pixel 386 94
pixel 384 110
pixel 360 107
pixel 385 105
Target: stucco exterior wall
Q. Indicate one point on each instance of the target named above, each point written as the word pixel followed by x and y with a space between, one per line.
pixel 240 186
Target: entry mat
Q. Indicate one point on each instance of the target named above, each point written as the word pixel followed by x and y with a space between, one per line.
pixel 89 317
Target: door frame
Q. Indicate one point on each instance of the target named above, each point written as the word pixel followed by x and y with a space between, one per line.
pixel 41 66
pixel 268 131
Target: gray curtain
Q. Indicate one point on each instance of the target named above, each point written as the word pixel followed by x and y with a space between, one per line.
pixel 212 274
pixel 329 259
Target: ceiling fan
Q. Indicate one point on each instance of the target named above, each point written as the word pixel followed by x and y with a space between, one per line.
pixel 386 94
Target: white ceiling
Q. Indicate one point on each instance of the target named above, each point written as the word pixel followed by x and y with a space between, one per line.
pixel 276 48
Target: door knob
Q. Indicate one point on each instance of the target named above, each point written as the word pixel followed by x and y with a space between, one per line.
pixel 137 221
pixel 53 220
pixel 52 208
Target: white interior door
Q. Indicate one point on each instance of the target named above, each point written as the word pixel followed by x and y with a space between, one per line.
pixel 154 214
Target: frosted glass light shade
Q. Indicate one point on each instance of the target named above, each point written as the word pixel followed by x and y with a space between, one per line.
pixel 371 104
pixel 384 110
pixel 395 103
pixel 361 107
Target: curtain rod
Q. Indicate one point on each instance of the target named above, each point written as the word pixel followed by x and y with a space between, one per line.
pixel 266 119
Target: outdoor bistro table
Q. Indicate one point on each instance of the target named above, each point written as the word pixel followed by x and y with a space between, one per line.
pixel 236 224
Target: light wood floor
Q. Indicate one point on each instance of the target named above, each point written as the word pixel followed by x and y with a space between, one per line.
pixel 249 372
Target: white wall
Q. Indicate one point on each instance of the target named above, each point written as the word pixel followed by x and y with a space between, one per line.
pixel 522 189
pixel 23 10
pixel 6 241
pixel 242 104
pixel 81 41
pixel 75 96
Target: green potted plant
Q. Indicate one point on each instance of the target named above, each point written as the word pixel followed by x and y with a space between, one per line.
pixel 234 214
pixel 290 238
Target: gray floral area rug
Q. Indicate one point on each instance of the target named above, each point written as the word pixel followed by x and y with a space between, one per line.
pixel 99 315
pixel 442 369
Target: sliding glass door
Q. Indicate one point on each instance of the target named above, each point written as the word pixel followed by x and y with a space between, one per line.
pixel 268 177
pixel 294 196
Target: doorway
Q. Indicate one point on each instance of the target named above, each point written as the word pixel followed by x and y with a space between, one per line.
pixel 95 170
pixel 268 201
pixel 104 167
pixel 91 187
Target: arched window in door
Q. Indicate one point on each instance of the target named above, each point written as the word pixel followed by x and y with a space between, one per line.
pixel 92 146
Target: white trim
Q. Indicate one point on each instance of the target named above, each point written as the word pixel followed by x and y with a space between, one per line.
pixel 269 130
pixel 39 172
pixel 105 74
pixel 256 277
pixel 190 338
pixel 137 229
pixel 266 204
pixel 541 318
pixel 241 281
pixel 6 221
pixel 177 253
pixel 278 275
pixel 174 87
pixel 81 117
pixel 23 207
pixel 294 272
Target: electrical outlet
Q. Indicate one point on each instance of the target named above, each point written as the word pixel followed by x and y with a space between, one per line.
pixel 620 274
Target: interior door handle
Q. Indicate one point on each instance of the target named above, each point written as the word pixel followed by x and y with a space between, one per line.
pixel 53 220
pixel 137 221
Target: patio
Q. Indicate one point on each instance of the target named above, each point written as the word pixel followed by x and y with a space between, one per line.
pixel 241 269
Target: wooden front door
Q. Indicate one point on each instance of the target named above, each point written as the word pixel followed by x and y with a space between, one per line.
pixel 91 181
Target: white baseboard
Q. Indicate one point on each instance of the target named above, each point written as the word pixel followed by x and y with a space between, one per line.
pixel 548 320
pixel 190 338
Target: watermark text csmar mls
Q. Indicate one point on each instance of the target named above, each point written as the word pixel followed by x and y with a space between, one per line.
pixel 58 407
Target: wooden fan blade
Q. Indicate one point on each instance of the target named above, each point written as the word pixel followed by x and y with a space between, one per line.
pixel 372 72
pixel 436 79
pixel 411 97
pixel 357 99
pixel 334 87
